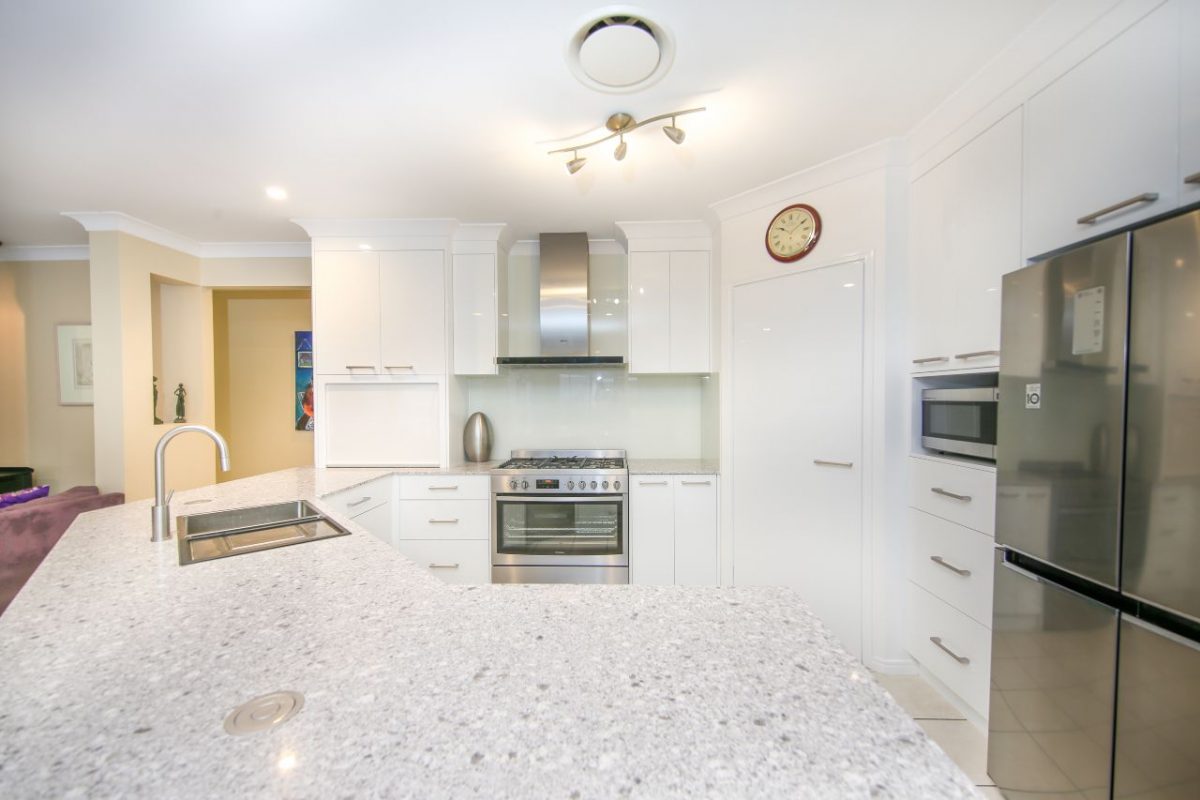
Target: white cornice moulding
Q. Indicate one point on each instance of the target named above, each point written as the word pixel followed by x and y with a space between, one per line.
pixel 377 228
pixel 255 250
pixel 52 252
pixel 596 247
pixel 93 221
pixel 684 234
pixel 490 232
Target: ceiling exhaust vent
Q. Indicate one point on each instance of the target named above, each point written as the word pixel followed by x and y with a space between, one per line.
pixel 620 51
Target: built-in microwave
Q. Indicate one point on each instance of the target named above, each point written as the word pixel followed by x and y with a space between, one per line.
pixel 960 421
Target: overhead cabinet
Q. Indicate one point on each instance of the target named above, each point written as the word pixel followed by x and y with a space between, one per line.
pixel 966 233
pixel 1102 141
pixel 379 423
pixel 669 312
pixel 379 313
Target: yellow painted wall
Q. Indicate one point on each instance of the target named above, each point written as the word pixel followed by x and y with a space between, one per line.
pixel 56 440
pixel 254 376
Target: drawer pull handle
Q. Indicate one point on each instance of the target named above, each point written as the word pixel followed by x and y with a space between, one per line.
pixel 443 566
pixel 696 483
pixel 978 354
pixel 652 483
pixel 1092 218
pixel 360 366
pixel 358 502
pixel 443 488
pixel 820 462
pixel 444 521
pixel 937 640
pixel 966 573
pixel 966 498
pixel 398 366
pixel 1193 178
pixel 930 360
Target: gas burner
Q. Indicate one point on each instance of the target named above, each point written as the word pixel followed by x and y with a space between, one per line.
pixel 565 462
pixel 562 472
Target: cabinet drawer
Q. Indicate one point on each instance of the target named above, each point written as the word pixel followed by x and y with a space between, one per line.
pixel 444 519
pixel 360 499
pixel 444 487
pixel 960 494
pixel 453 561
pixel 963 659
pixel 952 562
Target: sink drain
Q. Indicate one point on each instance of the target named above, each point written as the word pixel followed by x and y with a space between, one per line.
pixel 263 713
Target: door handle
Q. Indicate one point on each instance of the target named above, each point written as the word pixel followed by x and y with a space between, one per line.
pixel 1193 178
pixel 820 462
pixel 696 483
pixel 978 354
pixel 652 483
pixel 937 640
pixel 1092 218
pixel 966 573
pixel 360 366
pixel 398 366
pixel 444 566
pixel 358 502
pixel 930 360
pixel 444 521
pixel 966 498
pixel 444 488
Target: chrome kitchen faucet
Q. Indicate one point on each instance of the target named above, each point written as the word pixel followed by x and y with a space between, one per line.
pixel 160 515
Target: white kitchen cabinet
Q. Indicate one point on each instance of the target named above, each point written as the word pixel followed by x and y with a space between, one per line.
pixel 965 494
pixel 953 647
pixel 651 530
pixel 444 519
pixel 475 313
pixel 412 316
pixel 966 233
pixel 669 312
pixel 1101 141
pixel 1189 104
pixel 378 423
pixel 453 561
pixel 345 306
pixel 696 530
pixel 379 522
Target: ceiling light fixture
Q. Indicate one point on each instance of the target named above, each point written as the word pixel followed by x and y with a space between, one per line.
pixel 276 193
pixel 621 124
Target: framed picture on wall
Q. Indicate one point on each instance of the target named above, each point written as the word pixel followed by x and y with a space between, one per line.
pixel 75 365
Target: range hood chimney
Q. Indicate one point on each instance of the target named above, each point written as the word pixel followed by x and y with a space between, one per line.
pixel 564 306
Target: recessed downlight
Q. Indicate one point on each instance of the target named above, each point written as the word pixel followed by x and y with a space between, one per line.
pixel 276 192
pixel 619 49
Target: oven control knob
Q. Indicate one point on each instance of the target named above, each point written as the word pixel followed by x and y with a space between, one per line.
pixel 570 484
pixel 582 485
pixel 512 484
pixel 617 485
pixel 593 484
pixel 605 484
pixel 524 484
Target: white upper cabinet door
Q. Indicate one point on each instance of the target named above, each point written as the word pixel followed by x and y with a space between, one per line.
pixel 1189 104
pixel 689 312
pixel 475 314
pixel 381 424
pixel 651 530
pixel 345 301
pixel 927 281
pixel 696 530
pixel 1101 142
pixel 412 303
pixel 650 312
pixel 982 239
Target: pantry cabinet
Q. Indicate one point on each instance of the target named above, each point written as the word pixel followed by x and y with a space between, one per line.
pixel 1101 141
pixel 966 233
pixel 673 530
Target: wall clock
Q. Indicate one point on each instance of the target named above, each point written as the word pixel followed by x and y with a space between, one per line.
pixel 793 233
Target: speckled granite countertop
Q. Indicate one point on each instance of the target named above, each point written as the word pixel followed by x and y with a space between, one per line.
pixel 673 466
pixel 119 667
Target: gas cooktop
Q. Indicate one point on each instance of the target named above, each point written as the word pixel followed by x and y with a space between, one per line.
pixel 561 472
pixel 565 460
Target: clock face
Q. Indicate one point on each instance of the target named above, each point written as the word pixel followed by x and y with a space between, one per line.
pixel 793 233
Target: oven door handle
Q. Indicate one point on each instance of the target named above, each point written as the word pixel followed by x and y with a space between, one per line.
pixel 563 498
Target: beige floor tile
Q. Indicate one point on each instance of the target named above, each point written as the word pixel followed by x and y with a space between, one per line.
pixel 964 743
pixel 916 696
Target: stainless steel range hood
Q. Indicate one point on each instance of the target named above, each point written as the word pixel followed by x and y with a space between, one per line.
pixel 563 305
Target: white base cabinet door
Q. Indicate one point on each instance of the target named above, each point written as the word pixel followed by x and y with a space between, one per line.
pixel 696 530
pixel 651 530
pixel 453 561
pixel 376 424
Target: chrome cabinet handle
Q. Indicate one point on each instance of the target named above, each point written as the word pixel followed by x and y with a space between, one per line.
pixel 444 521
pixel 652 483
pixel 443 566
pixel 443 488
pixel 966 573
pixel 1092 218
pixel 1193 178
pixel 398 366
pixel 357 502
pixel 820 462
pixel 930 360
pixel 966 498
pixel 937 640
pixel 978 354
pixel 360 366
pixel 696 483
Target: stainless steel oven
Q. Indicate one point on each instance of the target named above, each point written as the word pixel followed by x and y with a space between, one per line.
pixel 960 420
pixel 560 519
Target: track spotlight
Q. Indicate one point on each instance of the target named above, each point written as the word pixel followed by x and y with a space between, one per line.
pixel 676 135
pixel 576 163
pixel 620 124
pixel 622 148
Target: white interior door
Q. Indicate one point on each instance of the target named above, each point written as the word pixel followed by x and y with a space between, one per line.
pixel 797 440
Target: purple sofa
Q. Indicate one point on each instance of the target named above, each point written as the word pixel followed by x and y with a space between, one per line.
pixel 28 532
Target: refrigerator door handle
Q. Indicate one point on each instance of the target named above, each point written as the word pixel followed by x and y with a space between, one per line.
pixel 1163 632
pixel 1022 572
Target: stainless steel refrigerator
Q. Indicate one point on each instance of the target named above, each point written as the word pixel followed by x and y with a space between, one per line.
pixel 1095 682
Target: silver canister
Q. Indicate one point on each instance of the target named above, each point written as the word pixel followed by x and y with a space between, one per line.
pixel 477 437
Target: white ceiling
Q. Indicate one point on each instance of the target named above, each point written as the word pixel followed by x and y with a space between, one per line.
pixel 180 112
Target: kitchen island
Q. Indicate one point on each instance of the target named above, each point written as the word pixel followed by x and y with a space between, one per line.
pixel 119 667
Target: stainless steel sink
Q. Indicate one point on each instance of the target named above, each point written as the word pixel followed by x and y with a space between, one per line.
pixel 219 534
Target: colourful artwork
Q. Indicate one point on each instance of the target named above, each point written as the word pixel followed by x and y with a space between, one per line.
pixel 304 381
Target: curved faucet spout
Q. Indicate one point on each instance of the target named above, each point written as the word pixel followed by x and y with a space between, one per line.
pixel 161 513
